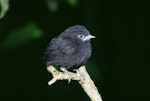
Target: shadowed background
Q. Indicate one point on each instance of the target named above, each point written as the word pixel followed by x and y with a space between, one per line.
pixel 119 64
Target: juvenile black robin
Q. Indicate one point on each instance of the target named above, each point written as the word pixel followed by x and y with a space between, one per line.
pixel 71 49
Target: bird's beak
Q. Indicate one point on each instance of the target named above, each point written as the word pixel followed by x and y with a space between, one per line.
pixel 88 37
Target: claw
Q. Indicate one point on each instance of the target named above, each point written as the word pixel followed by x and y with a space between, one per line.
pixel 65 70
pixel 69 80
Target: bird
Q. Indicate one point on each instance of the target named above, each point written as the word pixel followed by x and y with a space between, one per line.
pixel 69 50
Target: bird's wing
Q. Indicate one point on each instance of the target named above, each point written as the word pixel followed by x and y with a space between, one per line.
pixel 58 43
pixel 59 48
pixel 65 46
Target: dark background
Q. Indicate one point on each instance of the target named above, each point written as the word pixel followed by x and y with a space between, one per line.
pixel 119 64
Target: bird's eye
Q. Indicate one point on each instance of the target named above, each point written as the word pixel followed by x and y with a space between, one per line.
pixel 81 36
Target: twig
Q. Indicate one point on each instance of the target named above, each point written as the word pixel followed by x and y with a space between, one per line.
pixel 82 76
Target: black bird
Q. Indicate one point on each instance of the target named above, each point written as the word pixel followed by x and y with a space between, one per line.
pixel 71 49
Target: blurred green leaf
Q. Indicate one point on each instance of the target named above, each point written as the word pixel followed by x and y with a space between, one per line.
pixel 53 5
pixel 22 36
pixel 4 4
pixel 72 2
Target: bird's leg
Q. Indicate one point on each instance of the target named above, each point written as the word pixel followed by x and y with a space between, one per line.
pixel 66 72
pixel 63 69
pixel 76 70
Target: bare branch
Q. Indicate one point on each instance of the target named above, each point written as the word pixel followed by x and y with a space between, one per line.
pixel 82 76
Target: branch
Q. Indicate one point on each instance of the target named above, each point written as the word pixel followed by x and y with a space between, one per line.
pixel 81 75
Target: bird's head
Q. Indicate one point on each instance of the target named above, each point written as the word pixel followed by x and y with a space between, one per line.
pixel 77 32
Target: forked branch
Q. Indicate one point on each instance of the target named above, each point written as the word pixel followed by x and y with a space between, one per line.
pixel 81 76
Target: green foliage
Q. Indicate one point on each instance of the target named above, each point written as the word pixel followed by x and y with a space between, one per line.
pixel 22 36
pixel 53 5
pixel 72 2
pixel 4 4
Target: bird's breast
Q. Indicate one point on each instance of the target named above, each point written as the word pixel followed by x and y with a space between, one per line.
pixel 84 53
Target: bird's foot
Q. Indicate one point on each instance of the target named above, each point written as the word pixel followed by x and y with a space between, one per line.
pixel 63 69
pixel 67 72
pixel 69 80
pixel 76 70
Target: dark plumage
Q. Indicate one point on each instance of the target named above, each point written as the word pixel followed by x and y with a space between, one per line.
pixel 71 49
